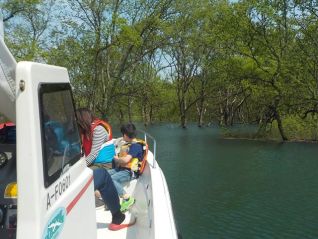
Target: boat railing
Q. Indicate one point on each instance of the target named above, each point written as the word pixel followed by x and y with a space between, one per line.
pixel 152 146
pixel 1 27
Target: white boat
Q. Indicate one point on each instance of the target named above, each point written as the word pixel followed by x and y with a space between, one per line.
pixel 47 194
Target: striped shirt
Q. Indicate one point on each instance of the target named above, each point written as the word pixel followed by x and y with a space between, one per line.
pixel 100 136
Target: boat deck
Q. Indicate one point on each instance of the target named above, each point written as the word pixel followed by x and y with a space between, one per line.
pixel 103 218
pixel 139 210
pixel 152 208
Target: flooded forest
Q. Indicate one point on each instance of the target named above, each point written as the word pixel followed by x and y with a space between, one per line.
pixel 211 62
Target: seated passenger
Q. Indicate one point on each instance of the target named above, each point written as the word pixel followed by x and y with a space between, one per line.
pixel 103 183
pixel 125 164
pixel 96 139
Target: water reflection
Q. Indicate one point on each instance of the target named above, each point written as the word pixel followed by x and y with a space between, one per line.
pixel 239 188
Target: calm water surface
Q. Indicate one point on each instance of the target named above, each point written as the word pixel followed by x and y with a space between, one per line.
pixel 238 188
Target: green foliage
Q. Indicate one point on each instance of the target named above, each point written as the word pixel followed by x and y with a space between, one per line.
pixel 297 128
pixel 207 61
pixel 130 35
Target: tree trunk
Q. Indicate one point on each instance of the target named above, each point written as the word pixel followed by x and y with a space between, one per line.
pixel 183 121
pixel 129 109
pixel 280 126
pixel 145 114
pixel 200 123
pixel 221 119
pixel 121 116
pixel 183 110
pixel 150 115
pixel 200 111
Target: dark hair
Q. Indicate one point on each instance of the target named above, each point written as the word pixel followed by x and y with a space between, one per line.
pixel 129 130
pixel 85 118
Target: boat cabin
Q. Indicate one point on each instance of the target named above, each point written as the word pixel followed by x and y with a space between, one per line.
pixel 46 189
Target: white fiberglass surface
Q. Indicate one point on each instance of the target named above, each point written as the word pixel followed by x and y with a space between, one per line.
pixel 141 190
pixel 152 208
pixel 139 230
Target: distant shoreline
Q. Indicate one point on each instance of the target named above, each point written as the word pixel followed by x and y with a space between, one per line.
pixel 272 140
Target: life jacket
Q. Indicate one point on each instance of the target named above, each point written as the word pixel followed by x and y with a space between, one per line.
pixel 136 165
pixel 87 143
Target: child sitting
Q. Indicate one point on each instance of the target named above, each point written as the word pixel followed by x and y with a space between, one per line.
pixel 124 170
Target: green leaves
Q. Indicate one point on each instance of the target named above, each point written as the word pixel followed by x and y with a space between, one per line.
pixel 222 61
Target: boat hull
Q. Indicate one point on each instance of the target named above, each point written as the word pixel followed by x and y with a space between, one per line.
pixel 152 208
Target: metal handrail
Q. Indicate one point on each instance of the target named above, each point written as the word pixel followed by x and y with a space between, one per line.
pixel 1 28
pixel 146 136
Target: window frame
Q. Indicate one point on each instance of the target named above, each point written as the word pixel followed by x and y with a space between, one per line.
pixel 44 88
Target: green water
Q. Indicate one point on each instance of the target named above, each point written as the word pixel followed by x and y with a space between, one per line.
pixel 238 188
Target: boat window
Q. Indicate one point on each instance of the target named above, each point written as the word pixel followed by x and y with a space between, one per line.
pixel 61 146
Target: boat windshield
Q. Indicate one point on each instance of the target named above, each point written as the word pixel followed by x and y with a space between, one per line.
pixel 61 145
